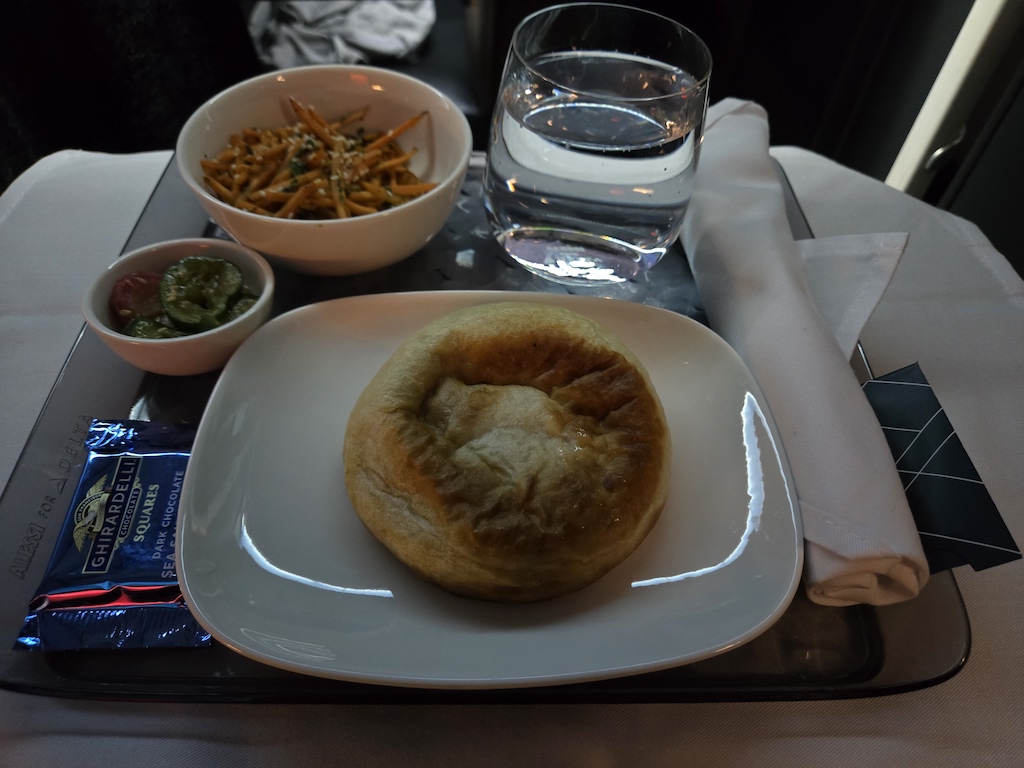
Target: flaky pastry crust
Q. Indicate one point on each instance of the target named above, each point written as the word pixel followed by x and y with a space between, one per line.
pixel 510 451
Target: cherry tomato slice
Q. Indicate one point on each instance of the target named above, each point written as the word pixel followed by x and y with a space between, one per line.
pixel 136 295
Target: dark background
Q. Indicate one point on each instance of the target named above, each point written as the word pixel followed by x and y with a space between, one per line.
pixel 844 78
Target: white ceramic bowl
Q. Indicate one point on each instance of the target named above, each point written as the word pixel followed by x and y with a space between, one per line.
pixel 340 246
pixel 185 355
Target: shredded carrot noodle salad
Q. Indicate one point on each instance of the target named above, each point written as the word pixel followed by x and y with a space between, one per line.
pixel 313 169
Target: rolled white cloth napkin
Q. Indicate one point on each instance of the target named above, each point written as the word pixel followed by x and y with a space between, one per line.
pixel 861 544
pixel 300 32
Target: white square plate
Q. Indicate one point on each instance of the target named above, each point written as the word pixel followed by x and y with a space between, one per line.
pixel 274 562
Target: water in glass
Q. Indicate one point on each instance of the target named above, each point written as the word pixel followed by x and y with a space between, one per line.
pixel 591 163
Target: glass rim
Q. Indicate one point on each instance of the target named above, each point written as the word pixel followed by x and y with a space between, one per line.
pixel 700 83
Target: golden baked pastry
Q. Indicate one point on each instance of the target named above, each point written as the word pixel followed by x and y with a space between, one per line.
pixel 509 451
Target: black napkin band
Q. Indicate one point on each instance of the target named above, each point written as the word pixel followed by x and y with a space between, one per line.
pixel 956 517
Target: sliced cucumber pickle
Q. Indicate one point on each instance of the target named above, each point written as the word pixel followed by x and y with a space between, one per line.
pixel 197 292
pixel 239 306
pixel 147 328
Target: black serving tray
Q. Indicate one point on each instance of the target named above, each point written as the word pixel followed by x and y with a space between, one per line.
pixel 812 652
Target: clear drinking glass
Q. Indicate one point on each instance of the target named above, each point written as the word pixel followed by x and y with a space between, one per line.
pixel 594 140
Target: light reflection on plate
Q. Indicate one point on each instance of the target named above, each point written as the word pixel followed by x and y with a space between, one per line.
pixel 246 542
pixel 751 416
pixel 297 579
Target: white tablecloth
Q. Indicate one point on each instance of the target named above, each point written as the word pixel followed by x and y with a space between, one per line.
pixel 954 305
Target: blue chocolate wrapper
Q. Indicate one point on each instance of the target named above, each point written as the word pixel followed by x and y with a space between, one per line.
pixel 111 581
